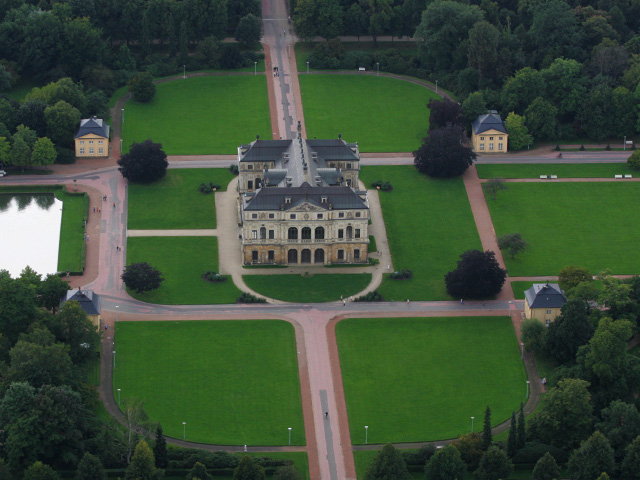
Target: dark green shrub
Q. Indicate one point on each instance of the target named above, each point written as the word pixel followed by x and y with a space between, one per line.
pixel 233 168
pixel 214 277
pixel 402 275
pixel 582 148
pixel 374 296
pixel 608 147
pixel 208 187
pixel 248 298
pixel 557 149
pixel 384 186
pixel 421 456
pixel 532 452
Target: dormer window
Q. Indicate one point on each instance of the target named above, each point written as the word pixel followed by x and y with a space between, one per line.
pixel 323 199
pixel 287 199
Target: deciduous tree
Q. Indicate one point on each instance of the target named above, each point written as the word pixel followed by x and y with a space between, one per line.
pixel 442 153
pixel 62 121
pixel 141 277
pixel 142 466
pixel 197 472
pixel 620 424
pixel 142 87
pixel 388 463
pixel 146 162
pixel 513 243
pixel 569 331
pixel 90 468
pixel 594 457
pixel 518 133
pixel 446 464
pixel 44 152
pixel 494 465
pixel 444 112
pixel 249 30
pixel 247 469
pixel 477 276
pixel 630 468
pixel 546 468
pixel 571 275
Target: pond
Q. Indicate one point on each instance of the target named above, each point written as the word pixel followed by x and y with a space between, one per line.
pixel 29 232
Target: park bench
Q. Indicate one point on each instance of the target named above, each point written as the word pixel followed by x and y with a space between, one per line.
pixel 618 176
pixel 628 175
pixel 554 177
pixel 543 177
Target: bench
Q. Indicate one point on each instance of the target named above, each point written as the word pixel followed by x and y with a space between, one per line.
pixel 362 69
pixel 618 176
pixel 554 176
pixel 543 177
pixel 628 175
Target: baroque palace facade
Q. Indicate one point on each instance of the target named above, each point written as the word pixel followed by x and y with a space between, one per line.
pixel 299 202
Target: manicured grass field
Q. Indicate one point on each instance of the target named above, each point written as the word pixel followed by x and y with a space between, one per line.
pixel 381 114
pixel 421 379
pixel 233 382
pixel 314 289
pixel 429 224
pixel 71 254
pixel 593 225
pixel 182 261
pixel 175 202
pixel 201 115
pixel 562 170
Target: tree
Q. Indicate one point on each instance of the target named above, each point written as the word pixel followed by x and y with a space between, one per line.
pixel 634 160
pixel 5 79
pixel 247 469
pixel 546 468
pixel 304 19
pixel 64 89
pixel 443 34
pixel 198 471
pixel 596 115
pixel 541 119
pixel 446 464
pixel 5 473
pixel 521 438
pixel 520 90
pixel 571 275
pixel 40 364
pixel 5 151
pixel 51 290
pixel 40 471
pixel 90 468
pixel 512 243
pixel 477 276
pixel 512 442
pixel 135 421
pixel 17 308
pixel 554 31
pixel 142 466
pixel 487 436
pixel 483 48
pixel 62 121
pixel 44 152
pixel 630 468
pixel 146 162
pixel 249 30
pixel 471 448
pixel 142 87
pixel 494 465
pixel 620 424
pixel 533 335
pixel 444 112
pixel 472 107
pixel 565 86
pixel 442 153
pixel 160 454
pixel 518 133
pixel 141 277
pixel 31 114
pixel 566 416
pixel 73 327
pixel 288 472
pixel 595 456
pixel 388 463
pixel 569 331
pixel 380 16
pixel 20 153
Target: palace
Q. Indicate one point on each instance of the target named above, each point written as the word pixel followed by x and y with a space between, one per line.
pixel 299 202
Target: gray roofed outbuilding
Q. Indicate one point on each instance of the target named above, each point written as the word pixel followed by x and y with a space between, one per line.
pixel 88 300
pixel 488 121
pixel 93 125
pixel 545 295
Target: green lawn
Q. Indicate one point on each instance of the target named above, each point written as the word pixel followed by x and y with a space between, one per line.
pixel 233 382
pixel 201 115
pixel 182 261
pixel 71 254
pixel 314 289
pixel 175 202
pixel 593 225
pixel 429 224
pixel 562 170
pixel 381 114
pixel 421 379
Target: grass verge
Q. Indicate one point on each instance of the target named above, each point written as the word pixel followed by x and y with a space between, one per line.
pixel 562 170
pixel 73 249
pixel 201 115
pixel 420 379
pixel 174 202
pixel 381 114
pixel 182 261
pixel 313 289
pixel 429 224
pixel 588 224
pixel 233 382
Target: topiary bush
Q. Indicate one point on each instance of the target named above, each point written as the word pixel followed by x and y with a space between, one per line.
pixel 374 296
pixel 214 277
pixel 248 298
pixel 233 168
pixel 402 275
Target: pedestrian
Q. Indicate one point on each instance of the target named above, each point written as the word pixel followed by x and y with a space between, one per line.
pixel 389 267
pixel 117 248
pixel 245 448
pixel 407 300
pixel 114 204
pixel 87 238
pixel 344 303
pixel 99 210
pixel 461 302
pixel 94 209
pixel 326 414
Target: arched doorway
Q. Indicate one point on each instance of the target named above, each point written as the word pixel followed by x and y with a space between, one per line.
pixel 318 256
pixel 305 257
pixel 292 256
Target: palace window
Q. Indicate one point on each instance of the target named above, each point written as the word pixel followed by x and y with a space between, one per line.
pixel 320 216
pixel 287 199
pixel 341 233
pixel 254 255
pixel 82 151
pixel 263 233
pixel 500 146
pixel 254 234
pixel 90 142
pixel 100 142
pixel 491 146
pixel 356 254
pixel 323 199
pixel 271 255
pixel 482 138
pixel 91 150
pixel 250 184
pixel 249 167
pixel 292 216
pixel 341 215
pixel 319 233
pixel 272 215
pixel 292 234
pixel 490 139
pixel 348 166
pixel 340 254
pixel 482 146
pixel 81 142
pixel 357 214
pixel 548 312
pixel 272 234
pixel 306 233
pixel 254 215
pixel 101 150
pixel 357 234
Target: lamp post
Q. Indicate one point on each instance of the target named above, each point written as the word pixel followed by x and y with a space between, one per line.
pixel 123 116
pixel 184 72
pixel 307 68
pixel 377 68
pixel 528 382
pixel 118 397
pixel 624 144
pixel 472 419
pixel 121 146
pixel 366 434
pixel 436 87
pixel 184 430
pixel 114 359
pixel 289 436
pixel 521 351
pixel 117 313
pixel 255 68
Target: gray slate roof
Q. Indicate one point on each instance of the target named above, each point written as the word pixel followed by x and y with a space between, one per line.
pixel 93 125
pixel 338 198
pixel 488 121
pixel 88 300
pixel 545 295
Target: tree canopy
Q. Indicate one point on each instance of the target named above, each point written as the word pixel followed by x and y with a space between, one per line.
pixel 477 276
pixel 146 162
pixel 442 154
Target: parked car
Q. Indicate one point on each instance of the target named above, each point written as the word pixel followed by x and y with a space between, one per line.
pixel 2 173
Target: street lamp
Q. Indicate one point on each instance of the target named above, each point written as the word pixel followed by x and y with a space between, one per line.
pixel 521 351
pixel 184 430
pixel 255 68
pixel 307 68
pixel 123 116
pixel 436 87
pixel 289 436
pixel 118 397
pixel 184 72
pixel 366 434
pixel 377 68
pixel 624 144
pixel 472 419
pixel 117 313
pixel 114 359
pixel 121 146
pixel 528 382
